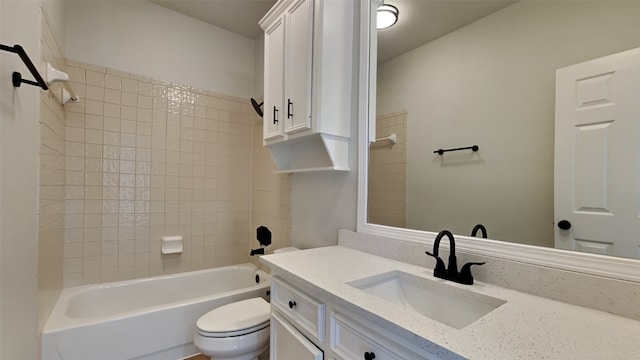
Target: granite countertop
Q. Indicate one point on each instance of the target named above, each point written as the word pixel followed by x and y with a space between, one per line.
pixel 525 327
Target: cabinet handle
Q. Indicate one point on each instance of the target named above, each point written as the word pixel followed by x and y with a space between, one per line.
pixel 292 304
pixel 289 112
pixel 369 355
pixel 275 115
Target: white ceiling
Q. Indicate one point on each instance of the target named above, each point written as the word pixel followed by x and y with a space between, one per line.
pixel 420 21
pixel 238 16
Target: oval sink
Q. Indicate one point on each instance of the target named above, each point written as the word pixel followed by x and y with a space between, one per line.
pixel 447 304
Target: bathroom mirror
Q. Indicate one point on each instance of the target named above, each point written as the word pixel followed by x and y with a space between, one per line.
pixel 488 80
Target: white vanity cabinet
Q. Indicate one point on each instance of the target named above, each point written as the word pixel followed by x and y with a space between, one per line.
pixel 301 323
pixel 308 63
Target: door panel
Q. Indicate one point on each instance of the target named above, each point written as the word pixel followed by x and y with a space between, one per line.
pixel 597 155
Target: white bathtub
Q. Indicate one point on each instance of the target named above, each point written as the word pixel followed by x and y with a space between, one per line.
pixel 152 318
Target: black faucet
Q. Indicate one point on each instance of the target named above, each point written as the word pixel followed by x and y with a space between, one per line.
pixel 263 234
pixel 481 228
pixel 451 271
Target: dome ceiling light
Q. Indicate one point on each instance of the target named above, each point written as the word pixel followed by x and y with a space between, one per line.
pixel 387 16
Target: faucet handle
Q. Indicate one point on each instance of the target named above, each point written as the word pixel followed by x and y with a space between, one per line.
pixel 465 274
pixel 440 269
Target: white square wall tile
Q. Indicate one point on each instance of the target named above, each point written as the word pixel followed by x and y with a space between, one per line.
pixel 94 107
pixel 94 93
pixel 112 96
pixel 112 110
pixel 130 86
pixel 76 74
pixel 112 82
pixel 145 88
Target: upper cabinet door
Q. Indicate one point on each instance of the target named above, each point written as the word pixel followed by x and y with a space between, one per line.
pixel 274 80
pixel 298 66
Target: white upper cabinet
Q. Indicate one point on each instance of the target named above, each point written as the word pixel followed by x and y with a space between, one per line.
pixel 309 71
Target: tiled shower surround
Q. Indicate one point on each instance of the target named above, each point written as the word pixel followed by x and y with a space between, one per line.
pixel 388 172
pixel 146 158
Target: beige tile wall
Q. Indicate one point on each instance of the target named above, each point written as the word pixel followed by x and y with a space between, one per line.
pixel 388 172
pixel 51 183
pixel 146 158
pixel 270 196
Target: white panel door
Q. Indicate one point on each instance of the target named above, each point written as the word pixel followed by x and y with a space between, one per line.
pixel 274 80
pixel 287 343
pixel 298 66
pixel 597 148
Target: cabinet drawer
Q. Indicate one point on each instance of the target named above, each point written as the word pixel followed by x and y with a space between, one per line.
pixel 351 340
pixel 302 310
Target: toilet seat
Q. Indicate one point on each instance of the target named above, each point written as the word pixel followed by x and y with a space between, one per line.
pixel 235 319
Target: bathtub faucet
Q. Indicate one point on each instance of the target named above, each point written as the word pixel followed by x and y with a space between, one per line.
pixel 263 234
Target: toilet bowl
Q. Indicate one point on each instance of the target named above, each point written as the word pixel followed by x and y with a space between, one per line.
pixel 236 331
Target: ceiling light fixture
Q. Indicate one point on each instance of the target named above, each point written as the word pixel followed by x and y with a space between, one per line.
pixel 387 16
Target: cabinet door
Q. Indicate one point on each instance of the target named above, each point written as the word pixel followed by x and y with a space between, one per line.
pixel 287 343
pixel 274 80
pixel 298 66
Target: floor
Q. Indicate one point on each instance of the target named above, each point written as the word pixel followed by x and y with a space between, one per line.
pixel 199 357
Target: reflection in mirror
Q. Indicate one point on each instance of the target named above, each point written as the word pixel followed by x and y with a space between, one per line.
pixel 489 79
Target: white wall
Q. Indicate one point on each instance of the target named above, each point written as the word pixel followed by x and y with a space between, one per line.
pixel 143 38
pixel 19 139
pixel 322 203
pixel 55 12
pixel 258 91
pixel 492 83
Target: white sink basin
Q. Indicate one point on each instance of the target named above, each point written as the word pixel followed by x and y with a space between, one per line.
pixel 447 304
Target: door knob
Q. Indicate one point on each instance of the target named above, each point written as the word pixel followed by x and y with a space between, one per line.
pixel 564 224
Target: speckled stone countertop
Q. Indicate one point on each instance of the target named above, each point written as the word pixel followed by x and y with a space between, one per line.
pixel 525 327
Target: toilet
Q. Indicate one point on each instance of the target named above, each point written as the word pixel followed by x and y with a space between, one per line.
pixel 236 331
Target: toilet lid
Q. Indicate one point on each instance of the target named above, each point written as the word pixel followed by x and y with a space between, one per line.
pixel 234 317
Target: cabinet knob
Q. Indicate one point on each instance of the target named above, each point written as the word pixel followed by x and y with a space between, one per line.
pixel 369 355
pixel 292 304
pixel 275 115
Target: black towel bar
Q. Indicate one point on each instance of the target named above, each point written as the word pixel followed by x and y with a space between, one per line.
pixel 17 77
pixel 442 151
